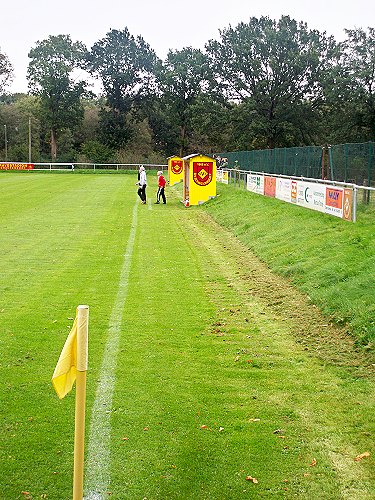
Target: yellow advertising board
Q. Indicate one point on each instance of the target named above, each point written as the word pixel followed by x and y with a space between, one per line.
pixel 199 179
pixel 175 170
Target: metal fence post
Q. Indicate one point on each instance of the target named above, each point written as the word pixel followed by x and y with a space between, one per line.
pixel 346 162
pixel 354 217
pixel 331 162
pixel 370 162
pixel 366 193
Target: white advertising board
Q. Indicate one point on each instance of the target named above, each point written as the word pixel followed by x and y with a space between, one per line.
pixel 328 199
pixel 284 189
pixel 255 183
pixel 311 195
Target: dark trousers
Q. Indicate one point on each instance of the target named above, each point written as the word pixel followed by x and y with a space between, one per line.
pixel 142 192
pixel 160 193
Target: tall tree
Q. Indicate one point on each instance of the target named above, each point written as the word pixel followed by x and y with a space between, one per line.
pixel 17 113
pixel 211 124
pixel 275 68
pixel 125 66
pixel 351 90
pixel 6 72
pixel 51 76
pixel 182 79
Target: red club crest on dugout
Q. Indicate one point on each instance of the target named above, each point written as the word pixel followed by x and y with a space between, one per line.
pixel 202 172
pixel 177 166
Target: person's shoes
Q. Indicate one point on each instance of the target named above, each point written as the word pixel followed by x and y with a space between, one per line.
pixel 164 202
pixel 143 203
pixel 157 202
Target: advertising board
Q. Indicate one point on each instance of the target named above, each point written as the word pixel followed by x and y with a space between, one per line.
pixel 255 183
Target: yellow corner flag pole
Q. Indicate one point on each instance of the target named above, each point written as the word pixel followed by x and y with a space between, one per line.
pixel 79 435
pixel 71 367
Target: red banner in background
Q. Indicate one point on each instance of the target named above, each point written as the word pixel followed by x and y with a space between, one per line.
pixel 16 166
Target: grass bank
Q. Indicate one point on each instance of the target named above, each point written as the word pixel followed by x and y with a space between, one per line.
pixel 331 260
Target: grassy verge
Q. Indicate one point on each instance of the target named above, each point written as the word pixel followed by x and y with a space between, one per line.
pixel 331 260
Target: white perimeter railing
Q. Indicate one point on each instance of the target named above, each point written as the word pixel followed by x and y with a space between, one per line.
pixel 78 166
pixel 95 166
pixel 239 177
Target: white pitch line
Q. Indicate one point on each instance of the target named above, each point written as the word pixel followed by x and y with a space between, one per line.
pixel 97 476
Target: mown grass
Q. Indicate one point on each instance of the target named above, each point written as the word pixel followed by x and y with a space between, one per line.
pixel 331 260
pixel 210 386
pixel 61 245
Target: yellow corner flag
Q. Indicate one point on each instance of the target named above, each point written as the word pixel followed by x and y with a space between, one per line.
pixel 73 356
pixel 71 366
pixel 65 372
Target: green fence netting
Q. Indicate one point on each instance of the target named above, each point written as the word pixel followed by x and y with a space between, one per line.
pixel 352 163
pixel 341 162
pixel 298 161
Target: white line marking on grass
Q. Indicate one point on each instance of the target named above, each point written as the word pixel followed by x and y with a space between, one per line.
pixel 97 477
pixel 149 204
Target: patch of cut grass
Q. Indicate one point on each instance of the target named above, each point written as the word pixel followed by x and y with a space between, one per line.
pixel 331 260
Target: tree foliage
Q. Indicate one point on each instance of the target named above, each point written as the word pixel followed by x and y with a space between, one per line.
pixel 262 84
pixel 6 71
pixel 182 80
pixel 50 75
pixel 125 66
pixel 352 88
pixel 274 67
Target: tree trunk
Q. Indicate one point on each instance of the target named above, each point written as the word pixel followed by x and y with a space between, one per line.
pixel 53 145
pixel 182 139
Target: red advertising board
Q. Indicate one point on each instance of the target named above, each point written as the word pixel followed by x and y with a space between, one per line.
pixel 16 166
pixel 270 186
pixel 334 197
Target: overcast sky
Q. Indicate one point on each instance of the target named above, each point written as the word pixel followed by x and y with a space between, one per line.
pixel 164 24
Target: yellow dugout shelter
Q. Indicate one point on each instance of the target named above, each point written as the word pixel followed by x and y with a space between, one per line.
pixel 199 179
pixel 175 170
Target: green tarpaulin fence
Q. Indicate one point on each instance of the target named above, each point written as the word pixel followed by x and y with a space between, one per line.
pixel 341 162
pixel 353 163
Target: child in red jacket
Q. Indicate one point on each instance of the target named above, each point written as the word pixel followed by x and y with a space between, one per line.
pixel 161 186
